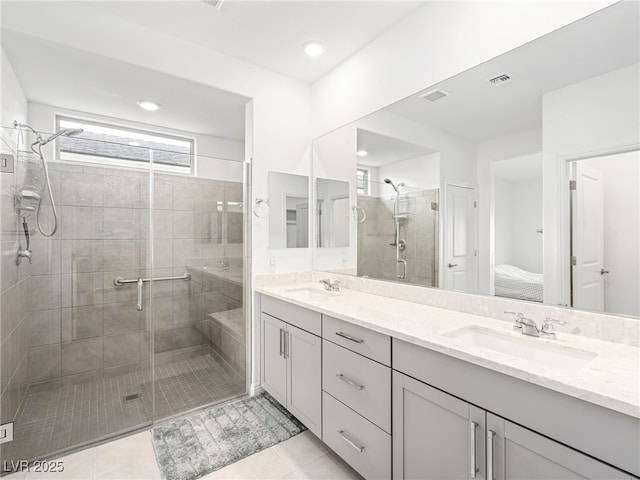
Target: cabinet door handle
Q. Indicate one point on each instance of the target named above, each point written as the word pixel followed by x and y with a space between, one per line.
pixel 281 343
pixel 473 426
pixel 490 435
pixel 350 441
pixel 349 381
pixel 349 337
pixel 286 343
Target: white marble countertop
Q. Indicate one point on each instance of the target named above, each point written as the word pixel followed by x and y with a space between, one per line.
pixel 611 379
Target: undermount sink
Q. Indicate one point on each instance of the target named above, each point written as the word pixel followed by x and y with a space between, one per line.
pixel 531 349
pixel 314 293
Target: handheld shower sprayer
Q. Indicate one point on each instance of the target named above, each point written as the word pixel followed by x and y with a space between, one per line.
pixel 36 147
pixel 396 188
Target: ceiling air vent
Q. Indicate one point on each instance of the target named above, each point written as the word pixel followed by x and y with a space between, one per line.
pixel 434 95
pixel 500 79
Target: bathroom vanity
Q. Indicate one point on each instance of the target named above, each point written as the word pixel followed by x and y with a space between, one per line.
pixel 405 390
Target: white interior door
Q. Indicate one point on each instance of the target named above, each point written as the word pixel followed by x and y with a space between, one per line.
pixel 302 225
pixel 460 242
pixel 588 239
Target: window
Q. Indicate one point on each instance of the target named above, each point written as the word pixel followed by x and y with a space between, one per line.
pixel 123 147
pixel 362 181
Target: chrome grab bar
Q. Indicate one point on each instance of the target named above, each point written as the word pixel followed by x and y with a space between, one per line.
pixel 139 281
pixel 119 281
pixel 349 382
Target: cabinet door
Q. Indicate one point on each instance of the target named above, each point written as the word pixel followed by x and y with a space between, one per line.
pixel 520 454
pixel 274 363
pixel 435 435
pixel 304 388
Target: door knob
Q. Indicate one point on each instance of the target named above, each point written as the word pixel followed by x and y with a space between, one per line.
pixel 603 271
pixel 451 265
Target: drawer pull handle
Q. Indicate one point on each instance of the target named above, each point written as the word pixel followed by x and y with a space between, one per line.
pixel 350 441
pixel 349 381
pixel 349 337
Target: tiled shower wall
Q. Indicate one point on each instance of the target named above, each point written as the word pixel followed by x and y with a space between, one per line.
pixel 14 290
pixel 419 229
pixel 80 326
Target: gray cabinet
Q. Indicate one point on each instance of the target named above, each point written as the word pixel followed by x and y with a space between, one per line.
pixel 438 436
pixel 513 452
pixel 304 369
pixel 274 363
pixel 435 435
pixel 291 363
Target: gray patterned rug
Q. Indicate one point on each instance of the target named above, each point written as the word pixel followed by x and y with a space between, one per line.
pixel 193 446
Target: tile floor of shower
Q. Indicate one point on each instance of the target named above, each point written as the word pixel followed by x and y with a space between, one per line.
pixel 54 420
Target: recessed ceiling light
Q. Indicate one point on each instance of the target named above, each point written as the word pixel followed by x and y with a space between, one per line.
pixel 149 105
pixel 362 153
pixel 313 48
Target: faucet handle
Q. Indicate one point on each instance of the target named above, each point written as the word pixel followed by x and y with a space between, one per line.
pixel 518 316
pixel 547 327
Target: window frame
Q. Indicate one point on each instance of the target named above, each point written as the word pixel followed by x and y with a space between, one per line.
pixel 70 157
pixel 366 180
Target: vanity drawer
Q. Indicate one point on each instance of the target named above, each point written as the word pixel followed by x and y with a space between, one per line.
pixel 292 314
pixel 359 383
pixel 374 345
pixel 361 444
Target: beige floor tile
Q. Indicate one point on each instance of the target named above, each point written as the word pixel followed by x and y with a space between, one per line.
pixel 127 458
pixel 289 476
pixel 77 466
pixel 16 476
pixel 263 465
pixel 301 449
pixel 326 467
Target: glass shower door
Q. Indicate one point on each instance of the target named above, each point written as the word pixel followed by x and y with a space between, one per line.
pixel 76 347
pixel 199 322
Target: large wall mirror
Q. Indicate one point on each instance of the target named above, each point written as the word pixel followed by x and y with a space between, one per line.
pixel 289 210
pixel 517 178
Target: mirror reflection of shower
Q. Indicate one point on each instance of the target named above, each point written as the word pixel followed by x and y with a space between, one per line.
pixel 399 243
pixel 30 192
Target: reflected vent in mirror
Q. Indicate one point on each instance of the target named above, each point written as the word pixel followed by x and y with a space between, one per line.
pixel 500 79
pixel 433 95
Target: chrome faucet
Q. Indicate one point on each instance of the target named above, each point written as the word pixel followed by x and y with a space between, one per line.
pixel 529 327
pixel 331 286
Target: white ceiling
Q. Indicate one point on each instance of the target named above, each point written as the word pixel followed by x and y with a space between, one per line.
pixel 57 75
pixel 384 150
pixel 478 111
pixel 266 33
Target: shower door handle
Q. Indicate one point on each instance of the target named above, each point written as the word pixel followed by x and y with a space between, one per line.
pixel 140 283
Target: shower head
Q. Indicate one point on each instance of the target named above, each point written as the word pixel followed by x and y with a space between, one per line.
pixel 401 184
pixel 65 132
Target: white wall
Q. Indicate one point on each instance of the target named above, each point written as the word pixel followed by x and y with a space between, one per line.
pixel 14 102
pixel 229 154
pixel 421 173
pixel 503 192
pixel 518 214
pixel 621 178
pixel 570 132
pixel 434 43
pixel 519 145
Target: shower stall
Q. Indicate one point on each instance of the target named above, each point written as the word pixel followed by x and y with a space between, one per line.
pixel 398 237
pixel 126 307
